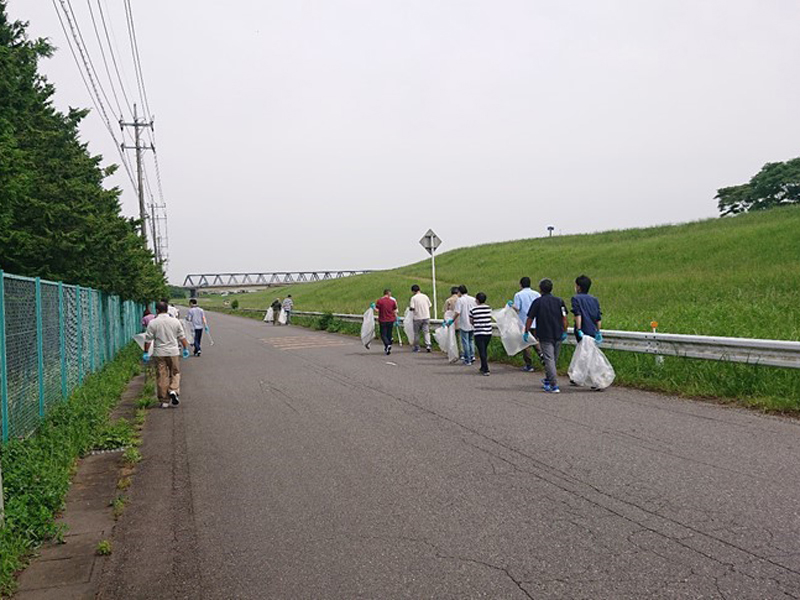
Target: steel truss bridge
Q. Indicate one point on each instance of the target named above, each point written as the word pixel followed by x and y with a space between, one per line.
pixel 242 280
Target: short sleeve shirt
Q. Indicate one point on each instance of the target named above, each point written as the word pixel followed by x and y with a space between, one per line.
pixel 421 305
pixel 588 307
pixel 549 312
pixel 386 307
pixel 463 306
pixel 522 303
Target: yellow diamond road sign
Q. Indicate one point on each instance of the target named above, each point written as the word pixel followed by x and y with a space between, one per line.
pixel 430 241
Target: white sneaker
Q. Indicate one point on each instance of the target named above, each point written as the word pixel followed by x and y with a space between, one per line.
pixel 165 405
pixel 174 398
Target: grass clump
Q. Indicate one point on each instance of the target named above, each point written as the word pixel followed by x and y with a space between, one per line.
pixel 37 470
pixel 103 548
pixel 132 456
pixel 115 434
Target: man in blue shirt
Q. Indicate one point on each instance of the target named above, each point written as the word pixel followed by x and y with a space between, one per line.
pixel 550 314
pixel 586 308
pixel 522 304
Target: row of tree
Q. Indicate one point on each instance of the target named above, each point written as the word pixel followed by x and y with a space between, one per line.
pixel 57 220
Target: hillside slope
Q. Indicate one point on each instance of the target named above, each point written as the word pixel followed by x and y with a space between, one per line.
pixel 736 276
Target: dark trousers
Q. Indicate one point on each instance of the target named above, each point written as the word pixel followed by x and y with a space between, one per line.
pixel 482 344
pixel 198 335
pixel 386 333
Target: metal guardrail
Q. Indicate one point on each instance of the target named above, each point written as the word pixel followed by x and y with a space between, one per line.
pixel 773 353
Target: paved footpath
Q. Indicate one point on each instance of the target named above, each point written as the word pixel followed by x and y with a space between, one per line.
pixel 301 465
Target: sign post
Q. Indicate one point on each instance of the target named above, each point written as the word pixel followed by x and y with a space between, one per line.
pixel 430 241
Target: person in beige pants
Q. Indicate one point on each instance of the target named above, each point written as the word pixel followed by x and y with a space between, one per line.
pixel 166 335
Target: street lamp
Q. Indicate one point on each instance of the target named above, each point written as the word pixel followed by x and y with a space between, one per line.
pixel 550 228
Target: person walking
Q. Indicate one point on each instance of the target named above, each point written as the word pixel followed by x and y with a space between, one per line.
pixel 147 317
pixel 550 315
pixel 480 316
pixel 450 307
pixel 276 311
pixel 522 304
pixel 197 319
pixel 288 305
pixel 586 308
pixel 387 317
pixel 166 336
pixel 420 306
pixel 461 320
pixel 172 310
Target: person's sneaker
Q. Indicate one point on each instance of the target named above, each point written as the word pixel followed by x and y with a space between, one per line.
pixel 388 350
pixel 466 363
pixel 165 405
pixel 552 389
pixel 528 369
pixel 199 352
pixel 366 346
pixel 428 349
pixel 173 396
pixel 485 373
pixel 415 349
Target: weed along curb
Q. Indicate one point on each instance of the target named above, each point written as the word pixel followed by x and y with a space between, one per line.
pixel 100 422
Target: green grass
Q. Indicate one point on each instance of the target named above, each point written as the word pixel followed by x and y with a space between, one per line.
pixel 731 277
pixel 37 470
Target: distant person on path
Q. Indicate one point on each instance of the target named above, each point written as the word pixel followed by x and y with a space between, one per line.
pixel 387 316
pixel 586 308
pixel 480 316
pixel 461 320
pixel 550 315
pixel 522 304
pixel 420 306
pixel 288 305
pixel 148 316
pixel 276 311
pixel 450 306
pixel 197 317
pixel 166 335
pixel 172 310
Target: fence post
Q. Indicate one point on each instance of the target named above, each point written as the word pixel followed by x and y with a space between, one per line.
pixel 92 331
pixel 62 345
pixel 40 345
pixel 79 316
pixel 3 360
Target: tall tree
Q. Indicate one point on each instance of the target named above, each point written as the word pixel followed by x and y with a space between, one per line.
pixel 57 220
pixel 775 184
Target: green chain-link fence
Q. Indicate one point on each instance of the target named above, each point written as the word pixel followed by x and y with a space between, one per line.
pixel 51 336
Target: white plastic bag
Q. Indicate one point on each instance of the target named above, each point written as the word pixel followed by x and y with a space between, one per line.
pixel 270 315
pixel 511 330
pixel 368 328
pixel 188 332
pixel 446 338
pixel 282 317
pixel 408 325
pixel 589 366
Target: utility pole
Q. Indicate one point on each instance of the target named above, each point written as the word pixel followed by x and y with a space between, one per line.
pixel 137 125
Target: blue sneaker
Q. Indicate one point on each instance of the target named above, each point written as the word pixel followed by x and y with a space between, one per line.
pixel 527 369
pixel 552 389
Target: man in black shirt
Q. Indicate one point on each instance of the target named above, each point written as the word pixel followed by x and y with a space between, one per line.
pixel 550 313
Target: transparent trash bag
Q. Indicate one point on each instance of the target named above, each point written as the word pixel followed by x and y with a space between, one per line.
pixel 446 338
pixel 368 327
pixel 139 339
pixel 270 315
pixel 408 325
pixel 589 366
pixel 282 317
pixel 511 330
pixel 188 332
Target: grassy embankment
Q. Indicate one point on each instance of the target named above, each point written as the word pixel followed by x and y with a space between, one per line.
pixel 733 277
pixel 37 470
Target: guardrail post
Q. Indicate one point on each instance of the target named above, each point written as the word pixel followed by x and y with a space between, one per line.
pixel 78 320
pixel 3 360
pixel 40 345
pixel 62 345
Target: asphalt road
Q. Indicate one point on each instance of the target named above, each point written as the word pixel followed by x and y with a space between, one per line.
pixel 301 465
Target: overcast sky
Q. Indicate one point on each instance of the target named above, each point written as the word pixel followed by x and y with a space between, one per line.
pixel 332 134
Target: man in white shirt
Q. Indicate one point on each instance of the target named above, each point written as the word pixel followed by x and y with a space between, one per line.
pixel 166 335
pixel 461 320
pixel 287 306
pixel 522 304
pixel 172 310
pixel 197 321
pixel 420 306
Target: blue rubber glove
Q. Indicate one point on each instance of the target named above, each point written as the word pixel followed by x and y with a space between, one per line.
pixel 509 303
pixel 145 357
pixel 448 322
pixel 398 322
pixel 185 353
pixel 525 337
pixel 372 306
pixel 564 336
pixel 579 334
pixel 598 337
pixel 206 328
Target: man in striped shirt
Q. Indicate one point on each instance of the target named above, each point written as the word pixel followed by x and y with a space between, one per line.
pixel 481 318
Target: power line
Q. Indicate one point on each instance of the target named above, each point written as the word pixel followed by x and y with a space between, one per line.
pixel 90 84
pixel 103 55
pixel 113 56
pixel 137 63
